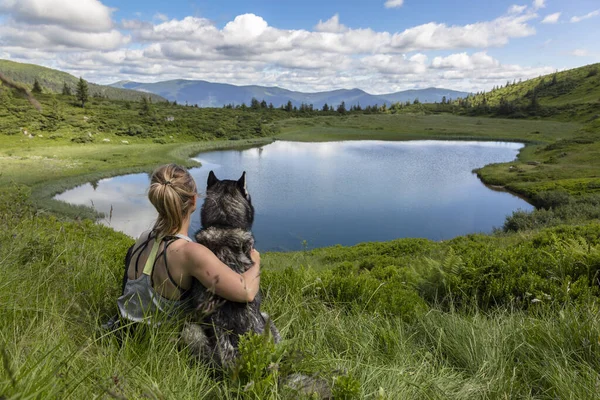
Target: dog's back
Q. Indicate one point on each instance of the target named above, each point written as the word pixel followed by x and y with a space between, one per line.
pixel 227 216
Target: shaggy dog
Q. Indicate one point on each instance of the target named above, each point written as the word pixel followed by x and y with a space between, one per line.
pixel 227 216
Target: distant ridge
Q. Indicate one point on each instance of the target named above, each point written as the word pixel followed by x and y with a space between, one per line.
pixel 209 94
pixel 53 80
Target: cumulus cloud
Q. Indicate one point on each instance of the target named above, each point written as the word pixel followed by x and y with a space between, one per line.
pixel 537 4
pixel 331 25
pixel 247 50
pixel 463 61
pixel 434 36
pixel 59 25
pixel 586 16
pixel 551 19
pixel 80 15
pixel 393 3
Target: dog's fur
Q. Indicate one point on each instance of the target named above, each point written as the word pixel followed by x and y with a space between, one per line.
pixel 227 216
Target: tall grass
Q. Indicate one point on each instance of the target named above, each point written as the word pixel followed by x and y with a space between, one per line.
pixel 59 281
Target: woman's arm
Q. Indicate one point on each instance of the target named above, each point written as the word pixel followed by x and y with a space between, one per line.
pixel 222 280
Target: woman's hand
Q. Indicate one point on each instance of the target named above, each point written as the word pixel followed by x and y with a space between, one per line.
pixel 222 280
pixel 255 256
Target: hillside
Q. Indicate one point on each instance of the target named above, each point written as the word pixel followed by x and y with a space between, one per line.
pixel 53 80
pixel 571 94
pixel 209 94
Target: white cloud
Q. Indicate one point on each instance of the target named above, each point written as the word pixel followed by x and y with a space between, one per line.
pixel 515 9
pixel 247 50
pixel 586 16
pixel 393 3
pixel 537 4
pixel 331 25
pixel 161 17
pixel 551 19
pixel 581 53
pixel 463 61
pixel 80 15
pixel 434 36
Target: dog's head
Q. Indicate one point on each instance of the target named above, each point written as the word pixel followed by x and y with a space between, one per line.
pixel 227 204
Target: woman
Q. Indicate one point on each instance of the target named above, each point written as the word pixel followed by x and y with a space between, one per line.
pixel 163 263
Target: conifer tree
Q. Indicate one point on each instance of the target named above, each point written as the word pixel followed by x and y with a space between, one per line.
pixel 66 90
pixel 37 88
pixel 81 92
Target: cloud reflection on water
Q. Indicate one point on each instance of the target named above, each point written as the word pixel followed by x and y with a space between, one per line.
pixel 337 192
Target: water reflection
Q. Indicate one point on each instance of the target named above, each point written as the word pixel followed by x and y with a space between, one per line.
pixel 337 192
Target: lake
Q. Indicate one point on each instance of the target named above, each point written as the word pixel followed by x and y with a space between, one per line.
pixel 310 195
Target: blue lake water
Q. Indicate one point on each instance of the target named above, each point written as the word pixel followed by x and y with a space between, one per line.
pixel 322 194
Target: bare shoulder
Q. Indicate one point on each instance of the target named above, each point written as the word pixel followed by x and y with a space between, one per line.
pixel 196 252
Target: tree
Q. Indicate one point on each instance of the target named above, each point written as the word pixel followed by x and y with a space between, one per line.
pixel 37 88
pixel 66 90
pixel 325 107
pixel 147 108
pixel 81 91
pixel 254 103
pixel 342 108
pixel 289 107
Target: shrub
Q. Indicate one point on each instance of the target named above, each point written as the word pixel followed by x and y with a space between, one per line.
pixel 552 199
pixel 82 139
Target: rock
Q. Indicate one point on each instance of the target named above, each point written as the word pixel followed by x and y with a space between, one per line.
pixel 125 141
pixel 308 386
pixel 106 140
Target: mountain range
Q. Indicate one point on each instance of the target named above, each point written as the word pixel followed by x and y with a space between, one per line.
pixel 209 94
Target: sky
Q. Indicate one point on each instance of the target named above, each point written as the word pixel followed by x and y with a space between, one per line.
pixel 380 46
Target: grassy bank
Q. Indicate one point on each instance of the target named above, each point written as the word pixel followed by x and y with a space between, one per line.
pixel 510 315
pixel 478 317
pixel 559 156
pixel 414 126
pixel 50 170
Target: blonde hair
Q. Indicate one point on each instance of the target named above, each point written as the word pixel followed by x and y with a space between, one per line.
pixel 172 192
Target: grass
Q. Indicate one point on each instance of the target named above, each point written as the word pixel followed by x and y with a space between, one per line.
pixel 60 280
pixel 510 315
pixel 52 170
pixel 558 156
pixel 53 80
pixel 411 127
pixel 575 86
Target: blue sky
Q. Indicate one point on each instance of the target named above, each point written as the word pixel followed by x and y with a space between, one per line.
pixel 377 45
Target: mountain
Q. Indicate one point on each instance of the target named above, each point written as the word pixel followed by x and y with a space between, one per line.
pixel 53 80
pixel 574 86
pixel 209 94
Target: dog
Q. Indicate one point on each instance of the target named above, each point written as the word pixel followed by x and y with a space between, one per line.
pixel 227 216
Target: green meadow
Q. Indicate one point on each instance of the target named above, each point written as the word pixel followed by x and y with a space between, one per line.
pixel 509 315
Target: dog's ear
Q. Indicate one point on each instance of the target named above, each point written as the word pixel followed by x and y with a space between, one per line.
pixel 212 179
pixel 242 184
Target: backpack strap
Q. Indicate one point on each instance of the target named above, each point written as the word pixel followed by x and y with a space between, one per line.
pixel 149 266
